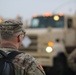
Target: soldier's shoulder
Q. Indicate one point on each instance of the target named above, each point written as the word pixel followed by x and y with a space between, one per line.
pixel 24 59
pixel 30 63
pixel 27 56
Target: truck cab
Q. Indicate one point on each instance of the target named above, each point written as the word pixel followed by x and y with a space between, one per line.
pixel 48 35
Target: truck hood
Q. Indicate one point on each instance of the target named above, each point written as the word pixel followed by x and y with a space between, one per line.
pixel 39 31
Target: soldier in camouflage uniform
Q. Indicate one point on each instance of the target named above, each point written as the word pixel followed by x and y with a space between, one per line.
pixel 72 60
pixel 11 35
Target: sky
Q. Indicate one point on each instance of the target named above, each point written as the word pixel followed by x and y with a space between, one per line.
pixel 27 8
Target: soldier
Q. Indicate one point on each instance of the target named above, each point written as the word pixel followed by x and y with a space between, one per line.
pixel 11 35
pixel 72 60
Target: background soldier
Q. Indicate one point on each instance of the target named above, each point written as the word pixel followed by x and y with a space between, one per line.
pixel 11 35
pixel 72 60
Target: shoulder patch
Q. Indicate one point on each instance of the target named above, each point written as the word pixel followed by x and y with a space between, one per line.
pixel 40 66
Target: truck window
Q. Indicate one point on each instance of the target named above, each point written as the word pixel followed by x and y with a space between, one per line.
pixel 54 21
pixel 69 23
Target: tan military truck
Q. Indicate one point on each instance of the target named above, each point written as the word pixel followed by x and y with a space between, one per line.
pixel 49 34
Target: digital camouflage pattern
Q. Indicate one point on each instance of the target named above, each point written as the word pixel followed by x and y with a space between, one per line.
pixel 25 64
pixel 10 27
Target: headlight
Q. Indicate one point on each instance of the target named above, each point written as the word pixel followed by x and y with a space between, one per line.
pixel 56 17
pixel 49 49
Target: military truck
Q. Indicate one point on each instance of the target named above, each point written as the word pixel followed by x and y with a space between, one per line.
pixel 49 34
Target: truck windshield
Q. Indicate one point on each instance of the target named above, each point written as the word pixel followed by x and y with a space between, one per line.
pixel 54 21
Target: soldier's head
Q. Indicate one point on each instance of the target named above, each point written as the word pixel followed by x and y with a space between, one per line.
pixel 11 32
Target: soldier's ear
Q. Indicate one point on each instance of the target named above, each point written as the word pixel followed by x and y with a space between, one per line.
pixel 18 38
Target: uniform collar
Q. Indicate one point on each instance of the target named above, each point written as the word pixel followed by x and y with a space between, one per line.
pixel 8 45
pixel 8 49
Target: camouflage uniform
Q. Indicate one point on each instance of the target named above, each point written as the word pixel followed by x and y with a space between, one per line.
pixel 24 63
pixel 72 60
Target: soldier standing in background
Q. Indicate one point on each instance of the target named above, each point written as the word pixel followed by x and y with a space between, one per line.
pixel 11 35
pixel 72 61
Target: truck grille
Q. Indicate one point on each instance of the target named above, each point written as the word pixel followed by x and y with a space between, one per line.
pixel 32 46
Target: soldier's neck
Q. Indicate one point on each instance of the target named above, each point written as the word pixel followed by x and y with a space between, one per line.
pixel 8 45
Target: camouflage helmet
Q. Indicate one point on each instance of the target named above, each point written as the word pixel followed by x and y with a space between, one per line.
pixel 10 27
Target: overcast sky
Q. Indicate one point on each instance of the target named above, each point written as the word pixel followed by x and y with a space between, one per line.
pixel 27 8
